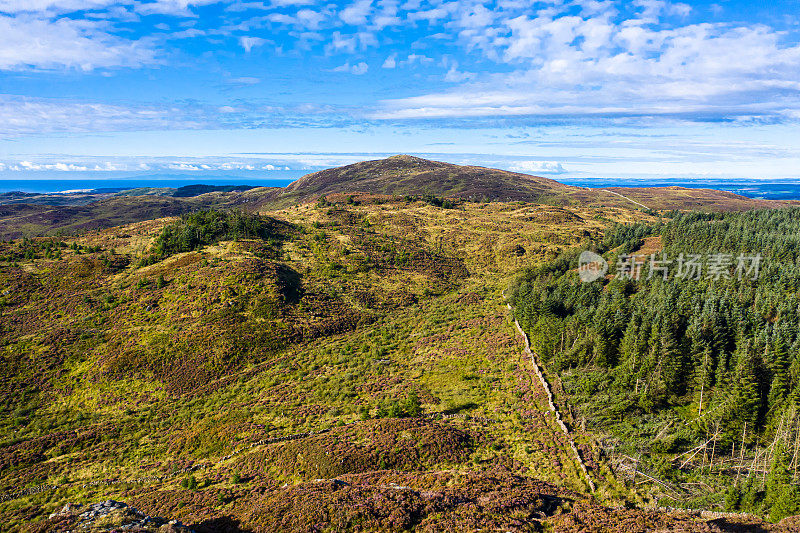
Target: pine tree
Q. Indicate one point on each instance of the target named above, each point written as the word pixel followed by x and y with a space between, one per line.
pixel 747 400
pixel 777 357
pixel 672 364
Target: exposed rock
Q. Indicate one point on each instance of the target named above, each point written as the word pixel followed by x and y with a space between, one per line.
pixel 108 516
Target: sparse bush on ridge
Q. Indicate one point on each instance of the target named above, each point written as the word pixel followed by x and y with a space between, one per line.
pixel 409 407
pixel 206 227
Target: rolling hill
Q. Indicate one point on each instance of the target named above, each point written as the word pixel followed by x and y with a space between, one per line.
pixel 396 176
pixel 407 175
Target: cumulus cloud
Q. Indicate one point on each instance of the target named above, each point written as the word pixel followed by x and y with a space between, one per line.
pixel 63 167
pixel 248 43
pixel 608 65
pixel 52 6
pixel 538 167
pixel 171 7
pixel 358 69
pixel 561 60
pixel 66 166
pixel 390 62
pixel 357 12
pixel 92 165
pixel 456 76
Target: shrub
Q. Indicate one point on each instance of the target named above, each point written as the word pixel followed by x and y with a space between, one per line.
pixel 409 407
pixel 189 482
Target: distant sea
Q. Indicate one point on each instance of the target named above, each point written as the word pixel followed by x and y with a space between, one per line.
pixel 771 189
pixel 280 179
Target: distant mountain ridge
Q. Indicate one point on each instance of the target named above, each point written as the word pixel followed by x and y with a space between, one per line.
pixel 409 175
pixel 406 174
pixel 400 175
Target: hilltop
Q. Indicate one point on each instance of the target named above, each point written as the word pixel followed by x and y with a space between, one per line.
pixel 401 175
pixel 407 175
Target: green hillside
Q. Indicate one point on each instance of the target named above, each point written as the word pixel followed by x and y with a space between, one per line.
pixel 350 363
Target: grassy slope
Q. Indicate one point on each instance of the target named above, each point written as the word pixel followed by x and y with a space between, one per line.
pixel 125 376
pixel 84 331
pixel 402 174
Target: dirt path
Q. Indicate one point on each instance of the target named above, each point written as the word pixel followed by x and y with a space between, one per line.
pixel 546 386
pixel 623 196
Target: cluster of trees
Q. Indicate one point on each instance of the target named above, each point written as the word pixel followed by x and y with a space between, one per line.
pixel 725 350
pixel 205 227
pixel 407 407
pixel 29 249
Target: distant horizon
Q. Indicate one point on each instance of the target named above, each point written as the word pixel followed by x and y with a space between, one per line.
pixel 775 189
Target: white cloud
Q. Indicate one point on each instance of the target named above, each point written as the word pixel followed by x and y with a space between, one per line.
pixel 244 6
pixel 29 166
pixel 418 58
pixel 342 43
pixel 538 167
pixel 563 65
pixel 150 164
pixel 185 167
pixel 562 58
pixel 30 42
pixel 147 165
pixel 356 13
pixel 21 115
pixel 456 76
pixel 390 62
pixel 307 19
pixel 248 43
pixel 285 3
pixel 358 69
pixel 682 10
pixel 52 6
pixel 244 80
pixel 63 166
pixel 178 8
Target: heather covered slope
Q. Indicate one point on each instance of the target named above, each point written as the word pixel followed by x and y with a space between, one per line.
pixel 342 367
pixel 681 198
pixel 381 327
pixel 28 219
pixel 407 175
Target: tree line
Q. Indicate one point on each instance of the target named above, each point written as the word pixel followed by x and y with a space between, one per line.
pixel 722 350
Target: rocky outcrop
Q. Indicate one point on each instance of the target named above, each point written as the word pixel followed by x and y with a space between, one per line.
pixel 109 516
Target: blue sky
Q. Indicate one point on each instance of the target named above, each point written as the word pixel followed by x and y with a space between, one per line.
pixel 573 88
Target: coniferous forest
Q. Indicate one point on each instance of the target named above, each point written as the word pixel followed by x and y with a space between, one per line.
pixel 695 378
